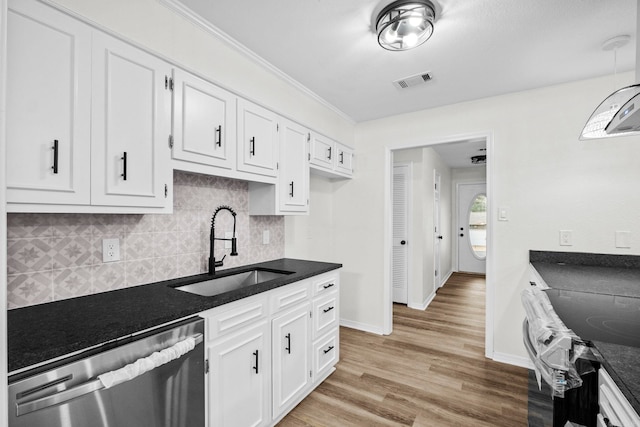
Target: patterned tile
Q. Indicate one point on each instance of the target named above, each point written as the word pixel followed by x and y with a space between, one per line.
pixel 72 251
pixel 28 255
pixel 138 223
pixel 165 244
pixel 29 289
pixel 71 224
pixel 139 272
pixel 189 242
pixel 189 264
pixel 71 282
pixel 138 246
pixel 187 219
pixel 165 268
pixel 165 223
pixel 108 276
pixel 28 225
pixel 111 224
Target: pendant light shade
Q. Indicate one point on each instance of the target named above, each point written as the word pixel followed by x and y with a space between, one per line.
pixel 405 24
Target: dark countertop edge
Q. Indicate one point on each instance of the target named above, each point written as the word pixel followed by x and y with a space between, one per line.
pixel 585 259
pixel 26 357
pixel 613 373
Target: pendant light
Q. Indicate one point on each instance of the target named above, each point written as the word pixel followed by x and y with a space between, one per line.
pixel 405 24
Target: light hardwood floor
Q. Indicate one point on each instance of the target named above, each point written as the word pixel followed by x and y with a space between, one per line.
pixel 431 371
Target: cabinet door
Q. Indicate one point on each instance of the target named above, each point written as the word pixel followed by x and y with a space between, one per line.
pixel 294 168
pixel 130 125
pixel 322 152
pixel 48 106
pixel 257 139
pixel 291 357
pixel 239 378
pixel 204 121
pixel 344 159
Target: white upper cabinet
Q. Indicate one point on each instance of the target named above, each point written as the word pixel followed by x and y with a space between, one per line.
pixel 257 139
pixel 204 122
pixel 48 106
pixel 130 125
pixel 330 158
pixel 294 171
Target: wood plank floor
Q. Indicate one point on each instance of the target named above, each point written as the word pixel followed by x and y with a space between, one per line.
pixel 431 371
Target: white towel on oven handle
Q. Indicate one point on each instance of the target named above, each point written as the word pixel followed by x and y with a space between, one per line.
pixel 145 364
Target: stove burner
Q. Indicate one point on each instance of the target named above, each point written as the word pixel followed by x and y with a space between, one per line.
pixel 620 328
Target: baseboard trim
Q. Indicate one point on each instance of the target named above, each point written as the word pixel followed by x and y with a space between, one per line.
pixel 361 326
pixel 511 359
pixel 443 281
pixel 425 304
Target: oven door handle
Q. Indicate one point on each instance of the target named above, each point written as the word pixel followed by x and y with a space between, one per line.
pixel 80 390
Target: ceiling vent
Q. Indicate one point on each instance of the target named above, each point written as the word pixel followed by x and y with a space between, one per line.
pixel 412 81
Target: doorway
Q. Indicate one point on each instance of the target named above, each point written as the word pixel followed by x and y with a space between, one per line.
pixel 472 227
pixel 401 224
pixel 455 142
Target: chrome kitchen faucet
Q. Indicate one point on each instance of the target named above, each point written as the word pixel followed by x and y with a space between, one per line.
pixel 212 260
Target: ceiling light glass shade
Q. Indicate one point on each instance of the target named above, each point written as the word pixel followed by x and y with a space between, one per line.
pixel 405 24
pixel 615 116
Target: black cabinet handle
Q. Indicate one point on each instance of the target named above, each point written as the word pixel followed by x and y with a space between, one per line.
pixel 328 309
pixel 252 147
pixel 328 286
pixel 342 157
pixel 440 237
pixel 461 235
pixel 255 368
pixel 291 194
pixel 330 153
pixel 219 136
pixel 55 156
pixel 328 349
pixel 403 242
pixel 288 347
pixel 124 166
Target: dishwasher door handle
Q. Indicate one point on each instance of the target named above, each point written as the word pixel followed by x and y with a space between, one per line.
pixel 74 392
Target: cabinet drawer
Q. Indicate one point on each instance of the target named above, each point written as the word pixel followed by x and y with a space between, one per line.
pixel 325 283
pixel 325 314
pixel 326 352
pixel 289 296
pixel 234 316
pixel 613 404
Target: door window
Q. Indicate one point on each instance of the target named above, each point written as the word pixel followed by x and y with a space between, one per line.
pixel 478 226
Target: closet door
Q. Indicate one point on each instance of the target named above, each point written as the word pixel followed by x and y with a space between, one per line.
pixel 48 106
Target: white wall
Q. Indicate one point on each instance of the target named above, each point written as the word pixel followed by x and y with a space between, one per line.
pixel 3 221
pixel 548 178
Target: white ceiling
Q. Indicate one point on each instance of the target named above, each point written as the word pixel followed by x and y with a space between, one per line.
pixel 479 48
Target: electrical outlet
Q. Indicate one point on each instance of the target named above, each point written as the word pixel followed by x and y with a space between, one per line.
pixel 265 237
pixel 566 239
pixel 110 250
pixel 228 235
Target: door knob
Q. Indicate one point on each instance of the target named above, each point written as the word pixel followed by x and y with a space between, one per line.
pixel 440 237
pixel 403 242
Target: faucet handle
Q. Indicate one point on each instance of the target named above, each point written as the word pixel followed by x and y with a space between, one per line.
pixel 219 263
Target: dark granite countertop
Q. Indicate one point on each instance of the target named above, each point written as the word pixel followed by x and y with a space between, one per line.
pixel 40 333
pixel 623 365
pixel 617 275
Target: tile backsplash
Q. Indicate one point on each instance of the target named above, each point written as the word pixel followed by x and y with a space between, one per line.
pixel 58 256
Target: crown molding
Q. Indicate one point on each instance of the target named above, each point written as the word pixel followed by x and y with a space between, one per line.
pixel 196 19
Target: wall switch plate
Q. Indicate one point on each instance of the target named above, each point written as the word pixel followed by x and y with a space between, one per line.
pixel 623 239
pixel 566 238
pixel 265 237
pixel 110 250
pixel 503 214
pixel 228 235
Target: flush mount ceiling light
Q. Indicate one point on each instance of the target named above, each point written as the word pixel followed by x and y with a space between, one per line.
pixel 405 24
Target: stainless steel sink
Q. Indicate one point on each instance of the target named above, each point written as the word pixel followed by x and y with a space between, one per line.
pixel 232 282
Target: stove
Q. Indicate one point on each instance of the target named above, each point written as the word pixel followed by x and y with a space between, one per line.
pixel 598 317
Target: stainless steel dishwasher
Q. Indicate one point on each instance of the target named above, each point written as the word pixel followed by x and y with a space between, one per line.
pixel 154 380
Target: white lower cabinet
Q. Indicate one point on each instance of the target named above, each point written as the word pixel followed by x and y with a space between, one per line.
pixel 615 409
pixel 265 353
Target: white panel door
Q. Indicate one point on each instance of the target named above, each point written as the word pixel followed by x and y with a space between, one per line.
pixel 130 125
pixel 294 168
pixel 239 379
pixel 472 228
pixel 257 139
pixel 291 357
pixel 400 262
pixel 437 232
pixel 321 152
pixel 204 121
pixel 48 106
